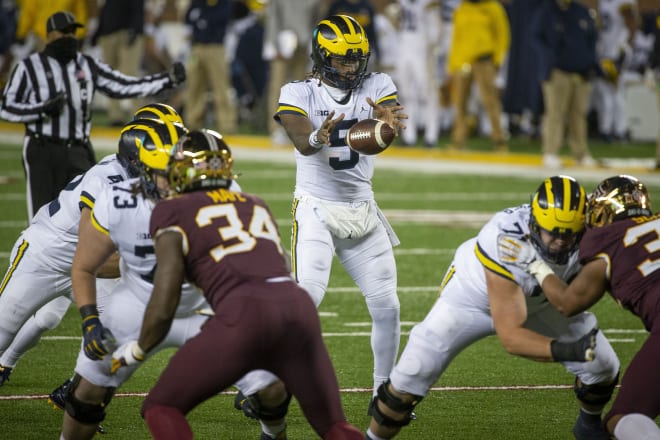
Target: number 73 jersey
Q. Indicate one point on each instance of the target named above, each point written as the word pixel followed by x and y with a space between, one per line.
pixel 123 213
pixel 229 238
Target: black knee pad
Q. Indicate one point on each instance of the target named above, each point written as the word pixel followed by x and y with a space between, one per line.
pixel 394 403
pixel 86 413
pixel 265 413
pixel 596 394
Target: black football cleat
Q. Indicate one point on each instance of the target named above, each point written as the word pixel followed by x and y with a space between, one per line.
pixel 4 374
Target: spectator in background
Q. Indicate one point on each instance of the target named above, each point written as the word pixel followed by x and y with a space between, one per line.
pixel 418 89
pixel 447 8
pixel 617 26
pixel 8 14
pixel 654 64
pixel 479 46
pixel 208 67
pixel 286 47
pixel 564 36
pixel 386 24
pixel 120 35
pixel 249 71
pixel 363 12
pixel 33 14
pixel 524 100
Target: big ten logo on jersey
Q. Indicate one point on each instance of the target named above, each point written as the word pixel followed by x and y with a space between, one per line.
pixel 321 112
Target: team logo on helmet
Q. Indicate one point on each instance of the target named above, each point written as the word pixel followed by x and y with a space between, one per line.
pixel 616 198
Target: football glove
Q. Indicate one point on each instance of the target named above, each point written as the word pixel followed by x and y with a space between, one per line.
pixel 177 73
pixel 516 251
pixel 610 71
pixel 97 340
pixel 129 353
pixel 582 350
pixel 53 106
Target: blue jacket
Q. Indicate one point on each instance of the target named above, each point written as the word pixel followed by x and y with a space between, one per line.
pixel 208 20
pixel 565 39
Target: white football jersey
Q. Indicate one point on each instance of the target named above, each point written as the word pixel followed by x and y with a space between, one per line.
pixel 123 213
pixel 482 252
pixel 613 33
pixel 54 228
pixel 336 173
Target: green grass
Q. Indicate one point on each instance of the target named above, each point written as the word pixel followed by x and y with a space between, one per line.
pixel 422 258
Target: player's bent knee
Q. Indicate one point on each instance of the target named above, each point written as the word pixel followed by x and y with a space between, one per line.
pixel 390 410
pixel 595 394
pixel 85 413
pixel 269 412
pixel 48 320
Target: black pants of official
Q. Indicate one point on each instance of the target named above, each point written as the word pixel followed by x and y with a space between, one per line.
pixel 49 165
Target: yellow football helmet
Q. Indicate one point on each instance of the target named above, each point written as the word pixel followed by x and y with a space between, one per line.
pixel 616 198
pixel 145 148
pixel 340 38
pixel 202 161
pixel 558 208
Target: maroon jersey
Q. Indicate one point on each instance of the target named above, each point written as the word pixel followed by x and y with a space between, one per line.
pixel 229 238
pixel 631 248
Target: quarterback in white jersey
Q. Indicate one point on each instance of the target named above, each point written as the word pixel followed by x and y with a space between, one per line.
pixel 36 290
pixel 482 294
pixel 334 208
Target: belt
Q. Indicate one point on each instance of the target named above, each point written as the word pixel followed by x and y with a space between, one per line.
pixel 67 142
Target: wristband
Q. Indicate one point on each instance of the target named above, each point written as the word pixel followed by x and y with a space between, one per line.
pixel 314 140
pixel 88 311
pixel 137 352
pixel 564 351
pixel 540 270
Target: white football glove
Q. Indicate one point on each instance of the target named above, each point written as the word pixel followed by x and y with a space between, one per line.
pixel 521 253
pixel 128 353
pixel 516 251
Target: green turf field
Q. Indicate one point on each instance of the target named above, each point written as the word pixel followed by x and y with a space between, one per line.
pixel 485 393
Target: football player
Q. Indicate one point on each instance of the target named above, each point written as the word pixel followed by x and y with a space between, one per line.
pixel 228 244
pixel 484 293
pixel 40 262
pixel 334 208
pixel 618 253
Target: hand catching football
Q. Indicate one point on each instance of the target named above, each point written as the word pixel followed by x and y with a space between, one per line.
pixel 370 136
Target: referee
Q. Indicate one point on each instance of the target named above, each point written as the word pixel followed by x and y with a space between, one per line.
pixel 51 92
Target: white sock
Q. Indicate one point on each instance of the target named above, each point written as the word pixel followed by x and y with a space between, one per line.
pixel 273 430
pixel 385 335
pixel 636 427
pixel 372 436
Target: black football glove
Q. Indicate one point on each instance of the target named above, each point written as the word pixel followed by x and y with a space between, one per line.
pixel 177 74
pixel 53 106
pixel 98 340
pixel 582 350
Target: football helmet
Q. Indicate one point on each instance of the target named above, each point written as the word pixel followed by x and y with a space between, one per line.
pixel 157 110
pixel 145 148
pixel 616 198
pixel 202 161
pixel 558 208
pixel 342 39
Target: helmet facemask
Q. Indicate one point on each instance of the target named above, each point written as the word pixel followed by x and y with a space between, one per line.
pixel 558 209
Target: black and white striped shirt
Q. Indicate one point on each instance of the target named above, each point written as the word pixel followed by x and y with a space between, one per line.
pixel 40 77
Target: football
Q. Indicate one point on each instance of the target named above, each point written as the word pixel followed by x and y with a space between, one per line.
pixel 370 136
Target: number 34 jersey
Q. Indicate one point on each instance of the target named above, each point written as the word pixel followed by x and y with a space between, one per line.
pixel 335 173
pixel 229 239
pixel 123 213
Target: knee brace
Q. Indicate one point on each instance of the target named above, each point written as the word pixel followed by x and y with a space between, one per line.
pixel 395 404
pixel 265 413
pixel 86 413
pixel 595 394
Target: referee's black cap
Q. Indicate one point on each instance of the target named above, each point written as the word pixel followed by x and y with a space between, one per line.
pixel 62 20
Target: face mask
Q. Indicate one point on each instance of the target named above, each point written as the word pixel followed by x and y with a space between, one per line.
pixel 63 49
